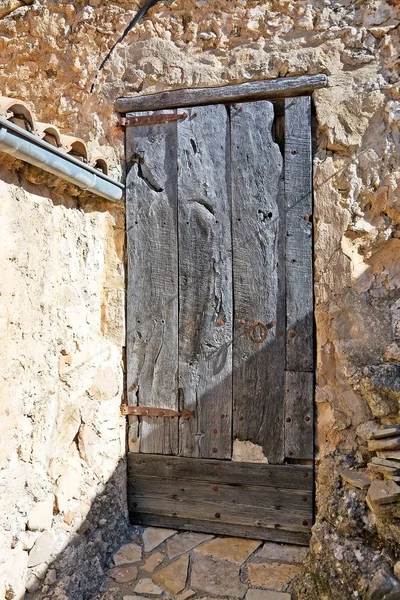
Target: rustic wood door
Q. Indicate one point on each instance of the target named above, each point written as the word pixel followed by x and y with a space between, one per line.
pixel 220 318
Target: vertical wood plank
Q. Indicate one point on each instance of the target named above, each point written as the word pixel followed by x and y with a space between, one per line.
pixel 205 284
pixel 259 281
pixel 299 272
pixel 299 415
pixel 152 294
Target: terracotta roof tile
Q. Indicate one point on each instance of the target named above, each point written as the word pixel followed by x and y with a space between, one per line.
pixel 20 113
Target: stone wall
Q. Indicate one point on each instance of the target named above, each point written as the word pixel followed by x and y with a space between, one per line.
pixel 50 53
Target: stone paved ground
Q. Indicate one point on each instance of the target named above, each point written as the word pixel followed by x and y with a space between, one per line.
pixel 164 563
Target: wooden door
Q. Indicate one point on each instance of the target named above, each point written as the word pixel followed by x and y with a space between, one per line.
pixel 220 319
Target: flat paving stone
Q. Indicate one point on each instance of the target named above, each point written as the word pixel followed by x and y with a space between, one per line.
pixel 235 550
pixel 153 562
pixel 173 577
pixel 185 595
pixel 282 553
pixel 271 576
pixel 123 573
pixel 154 536
pixel 146 586
pixel 266 595
pixel 185 542
pixel 216 577
pixel 213 598
pixel 128 553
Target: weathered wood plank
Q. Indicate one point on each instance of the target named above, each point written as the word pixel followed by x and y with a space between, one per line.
pixel 205 284
pixel 290 506
pixel 224 513
pixel 299 415
pixel 152 295
pixel 253 90
pixel 290 477
pixel 258 279
pixel 299 267
pixel 253 532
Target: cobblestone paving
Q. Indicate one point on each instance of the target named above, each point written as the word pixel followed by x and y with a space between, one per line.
pixel 164 563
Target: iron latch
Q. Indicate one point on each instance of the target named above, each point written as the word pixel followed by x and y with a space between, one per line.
pixel 151 411
pixel 151 119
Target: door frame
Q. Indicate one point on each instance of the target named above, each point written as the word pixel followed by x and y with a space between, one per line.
pixel 272 90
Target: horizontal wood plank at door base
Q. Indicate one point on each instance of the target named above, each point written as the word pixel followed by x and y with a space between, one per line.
pixel 284 87
pixel 274 535
pixel 297 477
pixel 271 502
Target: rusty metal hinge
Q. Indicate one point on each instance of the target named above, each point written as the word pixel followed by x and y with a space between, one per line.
pixel 151 119
pixel 151 411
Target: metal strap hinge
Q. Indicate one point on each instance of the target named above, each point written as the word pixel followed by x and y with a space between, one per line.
pixel 151 119
pixel 151 411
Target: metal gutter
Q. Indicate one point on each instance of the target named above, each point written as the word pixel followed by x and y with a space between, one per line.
pixel 28 147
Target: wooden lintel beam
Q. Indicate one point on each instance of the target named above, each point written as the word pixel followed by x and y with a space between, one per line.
pixel 284 87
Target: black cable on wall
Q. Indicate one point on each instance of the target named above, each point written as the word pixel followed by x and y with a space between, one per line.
pixel 147 5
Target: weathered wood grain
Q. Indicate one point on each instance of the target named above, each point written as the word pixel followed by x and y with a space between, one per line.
pixel 254 90
pixel 152 294
pixel 205 284
pixel 253 532
pixel 299 415
pixel 290 477
pixel 258 510
pixel 258 279
pixel 291 506
pixel 299 264
pixel 248 515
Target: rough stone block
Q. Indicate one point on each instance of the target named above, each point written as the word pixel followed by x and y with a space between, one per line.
pixel 393 454
pixel 355 478
pixel 105 384
pixel 384 492
pixel 386 432
pixel 67 488
pixel 385 444
pixel 394 464
pixel 42 549
pixel 383 586
pixel 41 515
